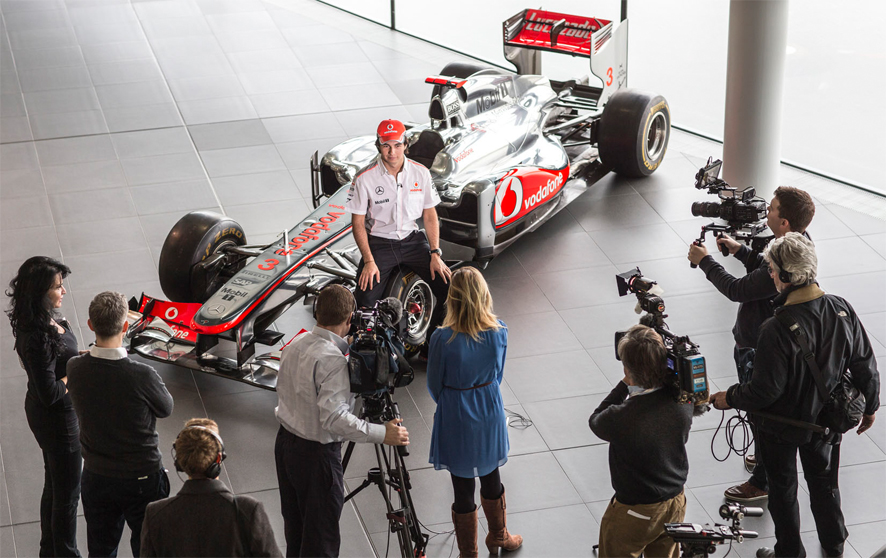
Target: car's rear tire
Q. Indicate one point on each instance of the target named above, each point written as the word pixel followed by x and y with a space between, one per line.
pixel 194 238
pixel 408 288
pixel 633 132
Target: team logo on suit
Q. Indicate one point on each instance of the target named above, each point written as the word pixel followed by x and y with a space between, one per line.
pixel 380 190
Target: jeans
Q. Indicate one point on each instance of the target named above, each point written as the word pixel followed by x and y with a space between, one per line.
pixel 58 503
pixel 744 363
pixel 109 501
pixel 311 483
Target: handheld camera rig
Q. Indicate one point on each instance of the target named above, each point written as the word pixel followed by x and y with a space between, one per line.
pixel 699 541
pixel 743 211
pixel 684 361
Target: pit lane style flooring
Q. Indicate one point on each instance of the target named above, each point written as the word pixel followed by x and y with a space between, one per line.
pixel 120 116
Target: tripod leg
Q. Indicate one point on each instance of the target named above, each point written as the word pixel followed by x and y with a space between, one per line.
pixel 419 539
pixel 397 519
pixel 347 458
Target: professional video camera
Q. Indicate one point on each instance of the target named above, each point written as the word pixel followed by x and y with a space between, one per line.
pixel 743 211
pixel 697 541
pixel 376 363
pixel 683 360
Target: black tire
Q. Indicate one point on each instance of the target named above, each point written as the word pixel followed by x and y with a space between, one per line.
pixel 407 287
pixel 194 238
pixel 633 132
pixel 459 70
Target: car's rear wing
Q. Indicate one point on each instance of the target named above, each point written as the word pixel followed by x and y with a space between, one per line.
pixel 605 42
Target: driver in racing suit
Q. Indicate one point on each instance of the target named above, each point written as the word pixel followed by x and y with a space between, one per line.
pixel 385 200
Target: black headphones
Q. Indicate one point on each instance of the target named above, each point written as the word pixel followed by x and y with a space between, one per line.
pixel 214 469
pixel 314 305
pixel 783 275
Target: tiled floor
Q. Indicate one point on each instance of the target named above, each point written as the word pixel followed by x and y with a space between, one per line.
pixel 119 116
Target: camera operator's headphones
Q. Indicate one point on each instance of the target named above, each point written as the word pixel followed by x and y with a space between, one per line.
pixel 783 275
pixel 214 469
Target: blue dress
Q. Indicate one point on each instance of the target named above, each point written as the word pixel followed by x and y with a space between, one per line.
pixel 470 436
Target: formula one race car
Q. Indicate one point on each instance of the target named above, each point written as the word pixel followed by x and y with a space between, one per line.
pixel 506 152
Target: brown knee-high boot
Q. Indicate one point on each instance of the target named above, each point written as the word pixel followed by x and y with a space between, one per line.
pixel 497 519
pixel 466 533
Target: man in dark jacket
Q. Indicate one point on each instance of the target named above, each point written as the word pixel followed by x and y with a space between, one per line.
pixel 784 385
pixel 205 518
pixel 791 209
pixel 118 402
pixel 647 432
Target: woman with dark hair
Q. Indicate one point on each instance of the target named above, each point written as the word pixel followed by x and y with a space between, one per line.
pixel 44 343
pixel 470 438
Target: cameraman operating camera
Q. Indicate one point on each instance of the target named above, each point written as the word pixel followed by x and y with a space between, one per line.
pixel 791 210
pixel 316 412
pixel 647 432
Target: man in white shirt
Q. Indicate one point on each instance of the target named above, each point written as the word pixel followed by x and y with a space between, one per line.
pixel 385 200
pixel 316 413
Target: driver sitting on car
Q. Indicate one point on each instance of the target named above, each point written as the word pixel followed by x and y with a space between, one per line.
pixel 385 200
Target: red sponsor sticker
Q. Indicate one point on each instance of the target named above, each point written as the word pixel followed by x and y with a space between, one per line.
pixel 521 190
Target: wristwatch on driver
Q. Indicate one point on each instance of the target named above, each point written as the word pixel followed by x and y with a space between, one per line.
pixel 437 251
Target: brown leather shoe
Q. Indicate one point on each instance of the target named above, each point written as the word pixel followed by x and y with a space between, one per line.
pixel 750 461
pixel 466 533
pixel 745 493
pixel 497 520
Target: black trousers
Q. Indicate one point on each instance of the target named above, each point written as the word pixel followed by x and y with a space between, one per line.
pixel 744 363
pixel 311 483
pixel 821 463
pixel 490 488
pixel 58 503
pixel 411 253
pixel 109 501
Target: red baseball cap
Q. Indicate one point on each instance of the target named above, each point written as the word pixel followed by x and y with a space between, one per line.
pixel 391 131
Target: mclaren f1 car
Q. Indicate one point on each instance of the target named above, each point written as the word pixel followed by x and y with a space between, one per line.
pixel 506 151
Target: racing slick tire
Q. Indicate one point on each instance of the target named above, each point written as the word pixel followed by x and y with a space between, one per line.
pixel 409 289
pixel 195 237
pixel 633 132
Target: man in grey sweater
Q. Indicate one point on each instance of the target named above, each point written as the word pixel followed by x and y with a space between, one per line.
pixel 118 402
pixel 647 432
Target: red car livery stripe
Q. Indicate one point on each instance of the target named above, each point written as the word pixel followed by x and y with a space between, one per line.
pixel 575 38
pixel 522 190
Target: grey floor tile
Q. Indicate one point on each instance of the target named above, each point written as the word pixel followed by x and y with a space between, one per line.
pixel 376 51
pixel 522 439
pixel 43 79
pixel 578 288
pixel 127 71
pixel 555 376
pixel 538 334
pixel 7 540
pixel 15 129
pixel 112 14
pixel 700 313
pixel 860 223
pixel 57 57
pixel 142 117
pixel 618 212
pixel 588 470
pixel 91 34
pixel 75 150
pixel 21 244
pixel 176 27
pixel 518 295
pixel 174 196
pixel 91 205
pixel 329 55
pixel 342 75
pixel 12 105
pixel 117 52
pixel 272 60
pixel 639 243
pixel 504 265
pixel 21 183
pixel 97 272
pixel 19 156
pixel 133 94
pixel 93 175
pixel 68 124
pixel 571 251
pixel 255 188
pixel 20 213
pixel 261 218
pixel 243 133
pixel 95 237
pixel 289 103
pixel 858 289
pixel 149 143
pixel 53 37
pixel 210 7
pixel 175 167
pixel 595 326
pixel 276 81
pixel 717 349
pixel 838 256
pixel 297 154
pixel 826 225
pixel 364 122
pixel 877 242
pixel 563 423
pixel 866 539
pixel 410 91
pixel 225 109
pixel 242 160
pixel 303 127
pixel 213 87
pixel 866 505
pixel 317 35
pixel 363 96
pixel 537 482
pixel 240 21
pixel 260 39
pixel 406 68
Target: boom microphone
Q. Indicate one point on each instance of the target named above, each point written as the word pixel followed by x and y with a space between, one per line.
pixel 392 310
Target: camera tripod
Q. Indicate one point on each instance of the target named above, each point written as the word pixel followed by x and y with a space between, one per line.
pixel 699 541
pixel 391 473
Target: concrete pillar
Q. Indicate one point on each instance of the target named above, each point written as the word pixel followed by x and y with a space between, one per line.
pixel 754 86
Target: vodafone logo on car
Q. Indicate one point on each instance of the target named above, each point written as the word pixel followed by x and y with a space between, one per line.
pixel 508 199
pixel 549 188
pixel 523 190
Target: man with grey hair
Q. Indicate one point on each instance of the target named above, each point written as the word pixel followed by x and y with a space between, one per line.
pixel 783 385
pixel 118 402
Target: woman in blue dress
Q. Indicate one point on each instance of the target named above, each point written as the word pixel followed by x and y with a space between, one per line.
pixel 470 439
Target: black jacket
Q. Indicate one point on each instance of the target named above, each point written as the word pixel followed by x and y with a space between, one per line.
pixel 206 519
pixel 782 383
pixel 754 293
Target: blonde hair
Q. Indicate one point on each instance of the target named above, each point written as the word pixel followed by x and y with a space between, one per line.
pixel 469 304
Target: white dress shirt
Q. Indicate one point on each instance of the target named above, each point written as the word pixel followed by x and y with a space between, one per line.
pixel 313 392
pixel 392 203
